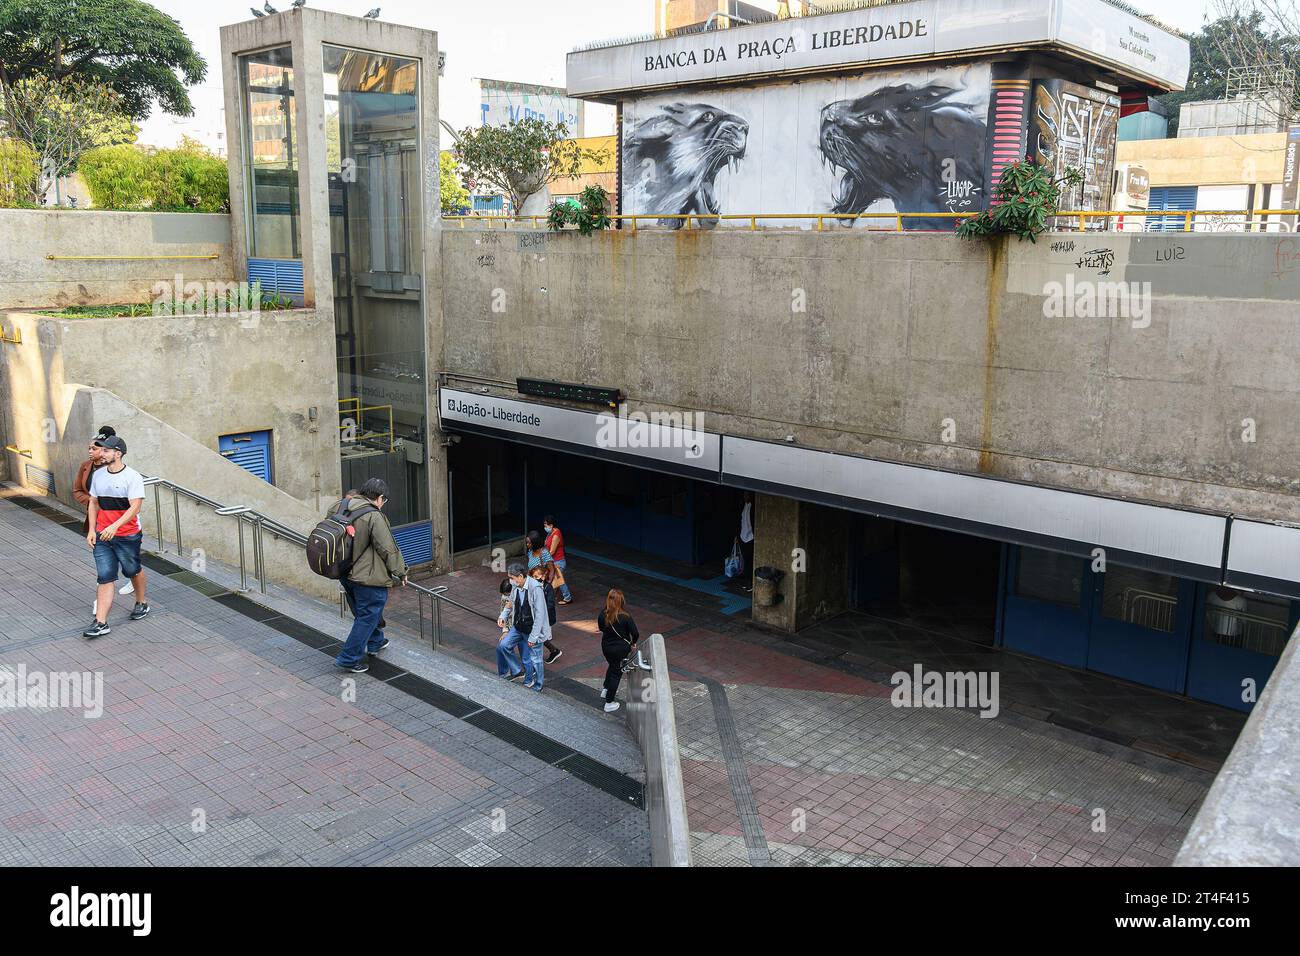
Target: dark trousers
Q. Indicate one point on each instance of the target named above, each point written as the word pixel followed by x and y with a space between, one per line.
pixel 366 634
pixel 615 653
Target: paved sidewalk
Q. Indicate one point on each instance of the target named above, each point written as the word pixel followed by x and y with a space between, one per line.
pixel 226 741
pixel 790 758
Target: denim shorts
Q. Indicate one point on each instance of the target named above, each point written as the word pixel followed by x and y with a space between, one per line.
pixel 120 554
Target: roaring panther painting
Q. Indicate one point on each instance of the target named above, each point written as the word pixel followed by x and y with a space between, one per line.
pixel 677 154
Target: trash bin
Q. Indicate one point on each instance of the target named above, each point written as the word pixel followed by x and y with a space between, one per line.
pixel 766 580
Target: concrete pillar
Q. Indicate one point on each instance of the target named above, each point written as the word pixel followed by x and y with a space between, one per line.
pixel 811 544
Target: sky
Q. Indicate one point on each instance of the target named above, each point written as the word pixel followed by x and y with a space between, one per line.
pixel 521 40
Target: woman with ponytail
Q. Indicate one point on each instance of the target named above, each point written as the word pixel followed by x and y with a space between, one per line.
pixel 618 637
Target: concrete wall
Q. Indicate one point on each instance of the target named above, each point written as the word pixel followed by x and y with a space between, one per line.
pixel 918 348
pixel 1251 816
pixel 29 279
pixel 204 376
pixel 653 721
pixel 158 449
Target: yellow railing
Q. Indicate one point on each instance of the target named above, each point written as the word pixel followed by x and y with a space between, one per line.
pixel 1189 217
pixel 129 258
pixel 357 410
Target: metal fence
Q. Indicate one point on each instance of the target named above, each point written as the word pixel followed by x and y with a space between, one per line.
pixel 259 525
pixel 1218 221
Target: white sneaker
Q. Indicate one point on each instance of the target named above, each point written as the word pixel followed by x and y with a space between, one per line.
pixel 604 691
pixel 611 707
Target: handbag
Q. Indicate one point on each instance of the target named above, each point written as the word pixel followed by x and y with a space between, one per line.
pixel 735 565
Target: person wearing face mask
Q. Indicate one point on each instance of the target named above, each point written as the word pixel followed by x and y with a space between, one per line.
pixel 555 545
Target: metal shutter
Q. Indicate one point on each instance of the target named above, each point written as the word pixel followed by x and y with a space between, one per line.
pixel 415 541
pixel 1170 198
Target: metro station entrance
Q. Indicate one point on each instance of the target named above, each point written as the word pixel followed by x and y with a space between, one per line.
pixel 500 490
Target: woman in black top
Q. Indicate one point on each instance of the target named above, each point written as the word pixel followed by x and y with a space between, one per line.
pixel 618 637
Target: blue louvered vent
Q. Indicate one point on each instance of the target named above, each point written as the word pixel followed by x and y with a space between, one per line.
pixel 281 276
pixel 1170 198
pixel 40 478
pixel 251 451
pixel 415 541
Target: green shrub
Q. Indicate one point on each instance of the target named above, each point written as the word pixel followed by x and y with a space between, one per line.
pixel 588 213
pixel 118 177
pixel 20 173
pixel 1026 196
pixel 185 178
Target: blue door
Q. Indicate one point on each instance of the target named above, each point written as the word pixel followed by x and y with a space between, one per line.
pixel 1237 638
pixel 1141 626
pixel 1048 605
pixel 251 451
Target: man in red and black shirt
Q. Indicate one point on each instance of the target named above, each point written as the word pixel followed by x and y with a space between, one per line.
pixel 116 494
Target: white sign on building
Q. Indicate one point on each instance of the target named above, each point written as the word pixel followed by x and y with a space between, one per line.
pixel 503 103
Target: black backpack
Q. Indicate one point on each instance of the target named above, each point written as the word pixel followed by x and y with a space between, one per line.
pixel 329 546
pixel 549 593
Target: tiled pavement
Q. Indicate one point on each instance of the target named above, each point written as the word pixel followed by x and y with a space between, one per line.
pixel 793 756
pixel 225 741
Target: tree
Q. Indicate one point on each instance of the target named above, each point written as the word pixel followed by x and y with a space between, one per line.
pixel 128 45
pixel 1257 36
pixel 454 195
pixel 60 120
pixel 522 158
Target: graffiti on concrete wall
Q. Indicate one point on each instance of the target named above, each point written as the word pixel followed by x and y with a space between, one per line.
pixel 907 141
pixel 1077 126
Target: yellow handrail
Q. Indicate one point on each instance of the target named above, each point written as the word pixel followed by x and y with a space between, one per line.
pixel 359 409
pixel 25 452
pixel 132 258
pixel 16 339
pixel 1188 216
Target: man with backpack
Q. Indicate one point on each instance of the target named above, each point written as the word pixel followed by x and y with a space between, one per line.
pixel 373 565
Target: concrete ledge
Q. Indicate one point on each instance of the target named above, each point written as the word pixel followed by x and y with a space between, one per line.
pixel 651 716
pixel 1251 816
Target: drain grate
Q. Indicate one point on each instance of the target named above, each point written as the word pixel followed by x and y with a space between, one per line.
pixel 604 778
pixel 237 602
pixel 519 736
pixel 429 692
pixel 197 582
pixel 161 565
pixel 301 632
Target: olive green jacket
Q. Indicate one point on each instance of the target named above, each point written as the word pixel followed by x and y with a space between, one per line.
pixel 376 561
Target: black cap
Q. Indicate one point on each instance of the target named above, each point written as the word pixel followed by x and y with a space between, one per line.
pixel 112 443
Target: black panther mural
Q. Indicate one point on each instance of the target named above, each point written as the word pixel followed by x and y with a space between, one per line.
pixel 675 157
pixel 915 145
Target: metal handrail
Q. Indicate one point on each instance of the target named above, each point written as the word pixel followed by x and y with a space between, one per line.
pixel 1082 216
pixel 261 522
